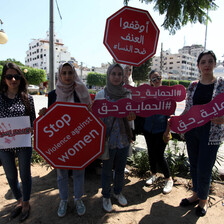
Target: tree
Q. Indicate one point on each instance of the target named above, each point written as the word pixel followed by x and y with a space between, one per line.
pixel 34 75
pixel 96 79
pixel 11 60
pixel 140 74
pixel 179 13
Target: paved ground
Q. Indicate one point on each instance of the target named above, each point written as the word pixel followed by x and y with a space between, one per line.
pixel 40 101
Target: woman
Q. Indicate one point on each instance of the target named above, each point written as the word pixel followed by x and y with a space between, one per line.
pixel 119 141
pixel 157 134
pixel 203 142
pixel 15 102
pixel 128 75
pixel 69 88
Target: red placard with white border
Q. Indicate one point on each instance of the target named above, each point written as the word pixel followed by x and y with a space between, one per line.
pixel 145 91
pixel 198 115
pixel 122 107
pixel 68 136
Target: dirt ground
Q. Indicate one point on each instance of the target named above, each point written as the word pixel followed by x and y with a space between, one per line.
pixel 145 204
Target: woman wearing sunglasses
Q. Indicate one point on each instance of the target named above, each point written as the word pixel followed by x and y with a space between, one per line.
pixel 156 133
pixel 15 102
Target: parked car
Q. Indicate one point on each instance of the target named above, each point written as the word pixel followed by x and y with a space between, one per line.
pixel 33 89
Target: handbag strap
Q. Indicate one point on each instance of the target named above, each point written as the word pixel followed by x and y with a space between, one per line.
pixel 111 128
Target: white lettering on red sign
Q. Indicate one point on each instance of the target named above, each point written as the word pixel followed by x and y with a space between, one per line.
pixel 78 146
pixel 65 119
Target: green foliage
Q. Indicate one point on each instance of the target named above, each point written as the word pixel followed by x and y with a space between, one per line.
pixel 140 161
pixel 96 79
pixel 36 158
pixel 177 159
pixel 92 91
pixel 11 60
pixel 140 74
pixel 34 75
pixel 1 67
pixel 185 83
pixel 166 82
pixel 179 13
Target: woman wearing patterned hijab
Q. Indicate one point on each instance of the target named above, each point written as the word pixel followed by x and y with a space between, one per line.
pixel 119 141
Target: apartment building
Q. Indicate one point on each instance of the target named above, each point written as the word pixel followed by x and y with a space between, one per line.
pixel 182 65
pixel 38 54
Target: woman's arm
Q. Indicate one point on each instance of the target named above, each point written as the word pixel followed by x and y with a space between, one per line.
pixel 218 120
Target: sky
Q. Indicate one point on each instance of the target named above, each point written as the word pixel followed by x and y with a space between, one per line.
pixel 83 24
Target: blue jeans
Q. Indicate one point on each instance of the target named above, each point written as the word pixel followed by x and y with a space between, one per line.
pixel 78 183
pixel 117 161
pixel 9 165
pixel 202 159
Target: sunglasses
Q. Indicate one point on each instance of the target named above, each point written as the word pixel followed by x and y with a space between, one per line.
pixel 11 76
pixel 156 78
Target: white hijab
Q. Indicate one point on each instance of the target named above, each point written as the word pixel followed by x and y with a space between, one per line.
pixel 65 93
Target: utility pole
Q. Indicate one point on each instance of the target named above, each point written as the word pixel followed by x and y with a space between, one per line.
pixel 161 59
pixel 81 70
pixel 51 47
pixel 206 30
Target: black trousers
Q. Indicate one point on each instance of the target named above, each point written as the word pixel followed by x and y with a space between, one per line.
pixel 156 147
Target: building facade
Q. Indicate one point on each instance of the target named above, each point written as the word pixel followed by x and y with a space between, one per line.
pixel 182 65
pixel 38 54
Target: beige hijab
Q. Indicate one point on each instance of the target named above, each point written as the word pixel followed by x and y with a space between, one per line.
pixel 65 93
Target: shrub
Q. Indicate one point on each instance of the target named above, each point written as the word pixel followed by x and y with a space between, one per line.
pixel 140 161
pixel 185 83
pixel 166 82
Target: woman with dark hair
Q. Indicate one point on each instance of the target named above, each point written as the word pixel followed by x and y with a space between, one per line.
pixel 69 88
pixel 15 102
pixel 203 142
pixel 157 134
pixel 120 134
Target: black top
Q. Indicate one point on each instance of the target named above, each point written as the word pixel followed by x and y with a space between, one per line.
pixel 52 96
pixel 203 94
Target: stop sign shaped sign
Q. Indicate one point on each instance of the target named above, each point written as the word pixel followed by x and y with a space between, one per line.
pixel 68 136
pixel 131 36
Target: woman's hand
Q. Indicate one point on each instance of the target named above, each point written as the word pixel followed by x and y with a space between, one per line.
pixel 90 106
pixel 131 116
pixel 166 136
pixel 218 120
pixel 42 111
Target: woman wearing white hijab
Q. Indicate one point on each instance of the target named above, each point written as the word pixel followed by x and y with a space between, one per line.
pixel 69 88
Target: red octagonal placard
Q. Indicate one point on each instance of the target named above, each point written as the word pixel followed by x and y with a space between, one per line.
pixel 131 36
pixel 68 136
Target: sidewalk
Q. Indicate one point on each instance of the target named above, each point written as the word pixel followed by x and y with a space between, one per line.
pixel 40 101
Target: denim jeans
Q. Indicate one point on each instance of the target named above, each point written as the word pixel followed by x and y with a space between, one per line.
pixel 117 161
pixel 78 183
pixel 9 165
pixel 202 158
